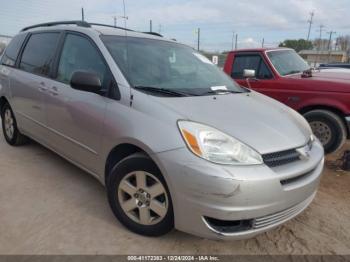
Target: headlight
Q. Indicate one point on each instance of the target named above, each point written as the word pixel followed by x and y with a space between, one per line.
pixel 215 146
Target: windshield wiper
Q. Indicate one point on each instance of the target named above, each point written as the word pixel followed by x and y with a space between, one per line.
pixel 161 90
pixel 222 91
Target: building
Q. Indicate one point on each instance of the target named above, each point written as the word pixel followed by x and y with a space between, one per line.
pixel 315 57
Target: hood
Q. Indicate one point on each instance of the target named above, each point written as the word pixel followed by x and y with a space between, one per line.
pixel 259 121
pixel 328 75
pixel 332 74
pixel 325 80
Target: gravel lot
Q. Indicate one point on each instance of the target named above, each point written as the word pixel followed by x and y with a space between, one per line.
pixel 48 206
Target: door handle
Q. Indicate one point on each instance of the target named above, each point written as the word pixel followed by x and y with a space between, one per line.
pixel 54 91
pixel 42 87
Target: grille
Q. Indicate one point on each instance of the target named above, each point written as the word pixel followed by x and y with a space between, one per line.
pixel 281 216
pixel 281 158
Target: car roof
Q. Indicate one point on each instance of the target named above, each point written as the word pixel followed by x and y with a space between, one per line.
pixel 260 49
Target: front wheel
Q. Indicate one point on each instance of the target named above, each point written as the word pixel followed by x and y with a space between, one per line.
pixel 328 128
pixel 139 196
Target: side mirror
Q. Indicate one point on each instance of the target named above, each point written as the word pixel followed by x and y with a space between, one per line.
pixel 248 73
pixel 86 81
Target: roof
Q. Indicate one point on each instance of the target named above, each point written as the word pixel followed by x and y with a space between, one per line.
pixel 259 49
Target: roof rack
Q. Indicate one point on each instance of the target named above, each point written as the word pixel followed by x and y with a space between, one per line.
pixel 153 33
pixel 82 24
pixel 78 23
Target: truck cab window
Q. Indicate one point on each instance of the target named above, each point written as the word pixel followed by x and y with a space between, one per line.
pixel 253 62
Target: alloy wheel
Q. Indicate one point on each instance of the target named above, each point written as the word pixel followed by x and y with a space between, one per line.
pixel 143 198
pixel 9 124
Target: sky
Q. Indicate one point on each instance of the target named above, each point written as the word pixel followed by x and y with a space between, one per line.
pixel 252 20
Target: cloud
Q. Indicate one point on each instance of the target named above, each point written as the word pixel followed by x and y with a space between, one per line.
pixel 273 20
pixel 248 43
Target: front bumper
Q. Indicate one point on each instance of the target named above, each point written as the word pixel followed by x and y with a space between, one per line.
pixel 200 190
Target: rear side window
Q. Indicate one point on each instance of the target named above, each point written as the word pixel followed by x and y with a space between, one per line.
pixel 11 52
pixel 39 52
pixel 253 62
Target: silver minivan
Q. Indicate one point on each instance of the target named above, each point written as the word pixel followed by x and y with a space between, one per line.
pixel 175 141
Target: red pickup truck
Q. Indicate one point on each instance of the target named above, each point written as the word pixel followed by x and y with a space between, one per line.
pixel 321 96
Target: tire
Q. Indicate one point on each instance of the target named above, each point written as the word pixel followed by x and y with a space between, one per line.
pixel 9 127
pixel 125 192
pixel 328 127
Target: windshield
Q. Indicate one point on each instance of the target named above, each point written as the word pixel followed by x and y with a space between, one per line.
pixel 287 62
pixel 167 65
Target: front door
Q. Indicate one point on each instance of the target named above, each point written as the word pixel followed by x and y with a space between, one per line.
pixel 264 80
pixel 76 118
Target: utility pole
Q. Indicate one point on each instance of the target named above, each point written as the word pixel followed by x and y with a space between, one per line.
pixel 263 42
pixel 330 39
pixel 330 44
pixel 198 38
pixel 310 22
pixel 236 41
pixel 160 29
pixel 233 39
pixel 320 44
pixel 82 14
pixel 321 31
pixel 150 25
pixel 115 21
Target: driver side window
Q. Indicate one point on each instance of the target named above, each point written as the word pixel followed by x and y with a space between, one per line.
pixel 79 54
pixel 253 62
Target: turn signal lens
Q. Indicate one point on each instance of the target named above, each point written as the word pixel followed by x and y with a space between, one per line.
pixel 192 142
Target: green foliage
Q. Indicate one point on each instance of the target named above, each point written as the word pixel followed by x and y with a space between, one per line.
pixel 297 45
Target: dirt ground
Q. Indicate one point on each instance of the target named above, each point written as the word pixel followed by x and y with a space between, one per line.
pixel 48 206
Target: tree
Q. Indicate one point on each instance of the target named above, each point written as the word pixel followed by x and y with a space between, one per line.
pixel 343 43
pixel 297 44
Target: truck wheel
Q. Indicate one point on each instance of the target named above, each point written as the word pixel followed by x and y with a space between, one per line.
pixel 9 127
pixel 328 128
pixel 139 196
